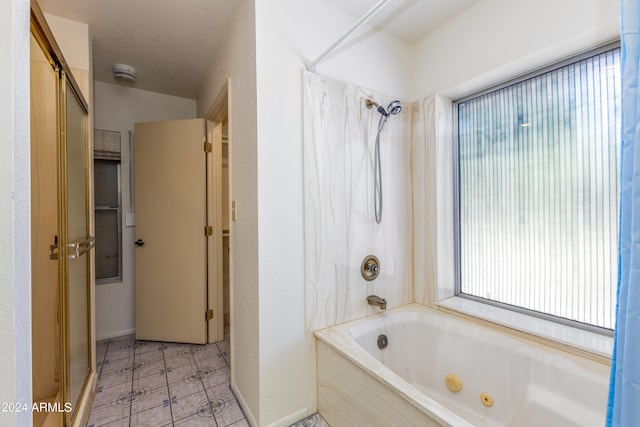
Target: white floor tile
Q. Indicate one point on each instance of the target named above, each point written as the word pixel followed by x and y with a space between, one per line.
pixel 146 383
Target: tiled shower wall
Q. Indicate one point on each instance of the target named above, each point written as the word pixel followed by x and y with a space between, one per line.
pixel 340 227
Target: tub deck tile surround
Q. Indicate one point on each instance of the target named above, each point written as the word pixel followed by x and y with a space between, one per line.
pixel 145 383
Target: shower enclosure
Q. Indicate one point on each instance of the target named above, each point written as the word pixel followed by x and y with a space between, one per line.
pixel 61 241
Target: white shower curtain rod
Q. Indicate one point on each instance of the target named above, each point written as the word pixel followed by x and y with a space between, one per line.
pixel 311 66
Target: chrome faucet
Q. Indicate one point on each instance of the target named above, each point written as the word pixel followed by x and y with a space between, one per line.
pixel 376 300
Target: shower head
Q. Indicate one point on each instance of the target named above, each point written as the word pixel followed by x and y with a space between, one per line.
pixel 394 108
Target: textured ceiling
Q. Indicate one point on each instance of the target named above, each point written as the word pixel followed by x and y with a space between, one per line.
pixel 173 43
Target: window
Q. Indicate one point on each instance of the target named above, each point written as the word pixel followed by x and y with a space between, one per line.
pixel 537 192
pixel 107 205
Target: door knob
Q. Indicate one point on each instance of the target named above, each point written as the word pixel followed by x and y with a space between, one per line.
pixel 139 242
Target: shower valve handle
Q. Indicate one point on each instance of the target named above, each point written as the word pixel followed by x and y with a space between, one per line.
pixel 370 268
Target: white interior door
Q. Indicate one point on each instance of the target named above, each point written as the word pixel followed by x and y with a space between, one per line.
pixel 171 219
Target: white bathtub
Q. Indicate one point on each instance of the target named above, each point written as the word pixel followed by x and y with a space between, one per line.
pixel 404 384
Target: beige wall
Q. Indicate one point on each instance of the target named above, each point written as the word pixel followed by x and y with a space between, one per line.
pixel 73 39
pixel 15 274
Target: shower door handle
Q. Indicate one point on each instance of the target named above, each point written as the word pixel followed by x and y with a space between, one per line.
pixel 81 247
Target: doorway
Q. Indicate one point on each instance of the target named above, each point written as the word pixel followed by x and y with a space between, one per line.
pixel 194 276
pixel 219 114
pixel 182 231
pixel 176 260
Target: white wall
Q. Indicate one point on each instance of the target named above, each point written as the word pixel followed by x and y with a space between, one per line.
pixel 15 247
pixel 289 33
pixel 237 62
pixel 497 40
pixel 273 369
pixel 118 108
pixel 293 33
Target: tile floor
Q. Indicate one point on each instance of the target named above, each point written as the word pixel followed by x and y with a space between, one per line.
pixel 146 383
pixel 314 420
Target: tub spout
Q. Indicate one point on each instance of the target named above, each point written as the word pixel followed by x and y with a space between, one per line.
pixel 376 300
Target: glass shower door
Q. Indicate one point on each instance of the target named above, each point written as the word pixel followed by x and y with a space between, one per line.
pixel 61 174
pixel 78 243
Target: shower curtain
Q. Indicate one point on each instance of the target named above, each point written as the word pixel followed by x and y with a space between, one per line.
pixel 624 393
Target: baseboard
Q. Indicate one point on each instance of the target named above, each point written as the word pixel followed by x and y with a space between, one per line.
pixel 115 334
pixel 291 419
pixel 243 405
pixel 283 422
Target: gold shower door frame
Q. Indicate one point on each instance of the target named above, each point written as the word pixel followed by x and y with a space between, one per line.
pixel 74 265
pixel 74 251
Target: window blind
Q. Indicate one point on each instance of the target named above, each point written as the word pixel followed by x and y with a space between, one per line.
pixel 538 192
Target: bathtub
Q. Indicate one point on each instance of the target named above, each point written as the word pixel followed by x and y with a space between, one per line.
pixel 503 380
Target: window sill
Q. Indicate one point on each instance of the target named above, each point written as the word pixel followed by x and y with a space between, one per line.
pixel 586 342
pixel 109 281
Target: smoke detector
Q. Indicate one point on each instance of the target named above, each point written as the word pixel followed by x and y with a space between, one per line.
pixel 124 73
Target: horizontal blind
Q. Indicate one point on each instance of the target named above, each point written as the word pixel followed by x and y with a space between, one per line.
pixel 107 254
pixel 106 144
pixel 538 192
pixel 106 183
pixel 108 212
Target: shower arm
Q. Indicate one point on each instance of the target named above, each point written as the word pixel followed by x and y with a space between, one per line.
pixel 311 66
